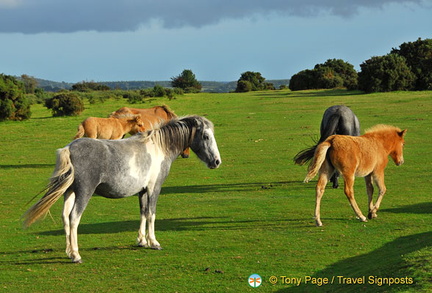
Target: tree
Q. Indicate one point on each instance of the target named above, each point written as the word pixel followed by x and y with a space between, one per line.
pixel 187 82
pixel 331 74
pixel 65 104
pixel 255 80
pixel 303 80
pixel 344 70
pixel 386 73
pixel 30 83
pixel 14 105
pixel 418 57
pixel 243 86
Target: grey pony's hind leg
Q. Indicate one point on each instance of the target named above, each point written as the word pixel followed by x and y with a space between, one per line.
pixel 75 218
pixel 141 240
pixel 69 202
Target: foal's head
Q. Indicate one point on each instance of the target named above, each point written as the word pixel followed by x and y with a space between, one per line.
pixel 397 153
pixel 393 139
pixel 137 125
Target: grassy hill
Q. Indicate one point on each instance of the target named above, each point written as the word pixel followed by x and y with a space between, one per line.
pixel 253 215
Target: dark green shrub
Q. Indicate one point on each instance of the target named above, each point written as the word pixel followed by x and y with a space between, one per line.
pixel 186 81
pixel 303 80
pixel 14 105
pixel 133 97
pixel 386 73
pixel 255 80
pixel 158 91
pixel 243 86
pixel 342 71
pixel 418 56
pixel 65 104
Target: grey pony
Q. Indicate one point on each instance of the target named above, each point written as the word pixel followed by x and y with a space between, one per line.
pixel 122 168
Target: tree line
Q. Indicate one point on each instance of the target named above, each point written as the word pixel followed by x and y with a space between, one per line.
pixel 408 67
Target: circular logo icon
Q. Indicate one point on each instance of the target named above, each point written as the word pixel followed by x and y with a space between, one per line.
pixel 254 280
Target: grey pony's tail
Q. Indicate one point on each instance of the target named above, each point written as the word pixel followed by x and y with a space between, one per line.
pixel 62 178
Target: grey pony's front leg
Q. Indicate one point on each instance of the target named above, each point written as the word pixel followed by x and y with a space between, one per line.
pixel 148 215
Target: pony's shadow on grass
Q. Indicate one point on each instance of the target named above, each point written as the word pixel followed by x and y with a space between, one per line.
pixel 26 166
pixel 419 208
pixel 224 187
pixel 177 224
pixel 384 262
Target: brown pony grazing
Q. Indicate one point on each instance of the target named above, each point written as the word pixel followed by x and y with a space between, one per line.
pixel 363 156
pixel 151 117
pixel 110 128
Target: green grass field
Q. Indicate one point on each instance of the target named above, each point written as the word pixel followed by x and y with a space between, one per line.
pixel 253 215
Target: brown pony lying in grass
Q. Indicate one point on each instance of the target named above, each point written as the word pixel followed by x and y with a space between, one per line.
pixel 152 118
pixel 363 156
pixel 110 128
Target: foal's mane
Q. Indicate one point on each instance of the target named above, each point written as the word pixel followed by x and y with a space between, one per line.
pixel 177 134
pixel 382 128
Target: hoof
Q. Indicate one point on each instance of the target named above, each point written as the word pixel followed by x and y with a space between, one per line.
pixel 372 216
pixel 77 261
pixel 156 247
pixel 363 219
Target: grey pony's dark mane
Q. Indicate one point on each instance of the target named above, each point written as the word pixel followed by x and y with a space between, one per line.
pixel 176 135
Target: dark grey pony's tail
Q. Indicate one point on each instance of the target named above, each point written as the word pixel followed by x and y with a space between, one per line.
pixel 62 178
pixel 306 155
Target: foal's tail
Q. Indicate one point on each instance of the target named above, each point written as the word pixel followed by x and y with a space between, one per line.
pixel 80 132
pixel 60 181
pixel 318 160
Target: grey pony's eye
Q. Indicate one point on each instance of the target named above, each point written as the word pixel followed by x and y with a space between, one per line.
pixel 206 137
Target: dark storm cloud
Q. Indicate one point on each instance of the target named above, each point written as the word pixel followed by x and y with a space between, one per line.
pixel 25 16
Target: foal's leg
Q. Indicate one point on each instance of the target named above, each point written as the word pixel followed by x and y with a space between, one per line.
pixel 325 172
pixel 379 179
pixel 369 191
pixel 319 191
pixel 349 192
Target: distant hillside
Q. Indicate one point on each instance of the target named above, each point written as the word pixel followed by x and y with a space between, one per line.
pixel 208 86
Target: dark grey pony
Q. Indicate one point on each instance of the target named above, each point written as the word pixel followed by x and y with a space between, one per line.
pixel 121 168
pixel 338 119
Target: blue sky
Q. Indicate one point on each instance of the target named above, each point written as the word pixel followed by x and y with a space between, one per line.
pixel 106 40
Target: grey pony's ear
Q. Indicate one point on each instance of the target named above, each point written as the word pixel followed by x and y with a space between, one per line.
pixel 402 133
